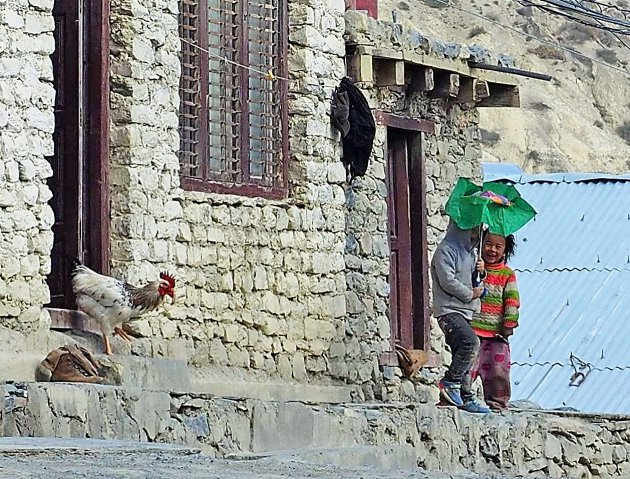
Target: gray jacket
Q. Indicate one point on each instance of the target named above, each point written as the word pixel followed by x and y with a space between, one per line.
pixel 451 270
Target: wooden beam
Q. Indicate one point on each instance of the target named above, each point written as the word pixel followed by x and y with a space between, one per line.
pixel 404 123
pixel 389 72
pixel 69 319
pixel 482 90
pixel 421 79
pixel 466 93
pixel 360 68
pixel 501 95
pixel 446 85
pixel 472 90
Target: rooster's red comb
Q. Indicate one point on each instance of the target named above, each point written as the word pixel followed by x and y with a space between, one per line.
pixel 169 278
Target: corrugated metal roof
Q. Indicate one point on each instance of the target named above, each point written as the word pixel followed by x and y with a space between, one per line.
pixel 573 267
pixel 579 225
pixel 581 312
pixel 548 385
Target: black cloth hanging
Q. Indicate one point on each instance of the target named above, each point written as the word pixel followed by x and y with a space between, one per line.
pixel 351 115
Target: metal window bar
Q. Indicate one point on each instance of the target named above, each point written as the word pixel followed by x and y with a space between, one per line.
pixel 232 123
pixel 265 148
pixel 189 88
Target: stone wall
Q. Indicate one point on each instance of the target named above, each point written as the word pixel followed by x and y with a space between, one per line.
pixel 26 126
pixel 451 152
pixel 409 435
pixel 261 283
pixel 295 288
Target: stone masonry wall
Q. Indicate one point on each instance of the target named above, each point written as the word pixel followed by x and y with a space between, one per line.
pixel 415 436
pixel 26 125
pixel 261 283
pixel 451 152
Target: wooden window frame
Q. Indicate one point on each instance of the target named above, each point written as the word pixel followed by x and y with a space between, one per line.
pixel 207 181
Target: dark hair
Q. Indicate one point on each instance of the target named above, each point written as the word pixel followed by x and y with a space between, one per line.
pixel 510 245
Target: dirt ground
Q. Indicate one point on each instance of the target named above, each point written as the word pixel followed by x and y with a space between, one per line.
pixel 85 458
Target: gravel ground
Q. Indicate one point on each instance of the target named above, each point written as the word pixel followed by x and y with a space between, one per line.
pixel 84 458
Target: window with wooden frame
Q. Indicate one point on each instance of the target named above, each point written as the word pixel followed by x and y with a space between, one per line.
pixel 233 119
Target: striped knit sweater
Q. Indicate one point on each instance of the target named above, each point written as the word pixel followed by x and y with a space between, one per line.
pixel 499 308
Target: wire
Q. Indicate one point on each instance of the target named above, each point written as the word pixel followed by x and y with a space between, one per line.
pixel 569 9
pixel 269 75
pixel 542 40
pixel 615 34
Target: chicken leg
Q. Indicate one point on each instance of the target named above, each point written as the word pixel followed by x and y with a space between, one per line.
pixel 118 331
pixel 108 347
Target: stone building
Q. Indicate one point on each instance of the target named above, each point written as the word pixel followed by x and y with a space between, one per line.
pixel 175 137
pixel 161 140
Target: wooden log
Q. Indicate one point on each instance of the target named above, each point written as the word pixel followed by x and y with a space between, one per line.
pixel 421 79
pixel 472 90
pixel 389 72
pixel 360 68
pixel 501 95
pixel 446 85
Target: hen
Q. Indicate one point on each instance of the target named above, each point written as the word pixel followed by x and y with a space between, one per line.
pixel 112 302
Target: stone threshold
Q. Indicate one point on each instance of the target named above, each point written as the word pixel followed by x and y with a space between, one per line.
pixel 72 319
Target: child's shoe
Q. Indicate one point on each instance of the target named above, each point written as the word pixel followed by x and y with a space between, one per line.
pixel 474 407
pixel 450 392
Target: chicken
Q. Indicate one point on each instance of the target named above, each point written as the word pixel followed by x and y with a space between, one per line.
pixel 112 302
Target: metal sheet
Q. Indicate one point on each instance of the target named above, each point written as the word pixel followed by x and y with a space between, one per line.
pixel 583 225
pixel 573 268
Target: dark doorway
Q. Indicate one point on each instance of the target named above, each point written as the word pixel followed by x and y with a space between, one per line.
pixel 409 306
pixel 79 182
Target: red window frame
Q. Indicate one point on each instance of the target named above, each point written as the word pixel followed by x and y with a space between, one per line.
pixel 233 122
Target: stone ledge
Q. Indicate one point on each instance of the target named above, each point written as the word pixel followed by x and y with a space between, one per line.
pixel 439 439
pixel 54 446
pixel 306 393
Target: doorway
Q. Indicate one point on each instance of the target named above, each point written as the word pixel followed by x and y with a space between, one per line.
pixel 80 160
pixel 409 302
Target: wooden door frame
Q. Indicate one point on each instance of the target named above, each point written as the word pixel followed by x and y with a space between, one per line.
pixel 418 224
pixel 97 141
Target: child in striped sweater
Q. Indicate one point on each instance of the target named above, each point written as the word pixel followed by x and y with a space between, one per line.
pixel 496 321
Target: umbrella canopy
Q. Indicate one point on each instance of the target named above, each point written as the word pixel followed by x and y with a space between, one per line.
pixel 498 205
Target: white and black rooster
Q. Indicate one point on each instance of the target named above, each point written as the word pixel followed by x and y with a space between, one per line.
pixel 112 302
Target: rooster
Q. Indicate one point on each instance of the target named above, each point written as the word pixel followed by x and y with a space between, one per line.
pixel 112 302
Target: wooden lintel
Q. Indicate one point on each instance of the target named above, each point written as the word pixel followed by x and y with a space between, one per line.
pixel 466 93
pixel 421 79
pixel 389 72
pixel 472 90
pixel 446 85
pixel 482 90
pixel 385 53
pixel 360 68
pixel 411 58
pixel 501 95
pixel 404 123
pixel 68 319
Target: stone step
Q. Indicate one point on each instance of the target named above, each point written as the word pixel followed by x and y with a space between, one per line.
pixel 154 374
pixel 54 446
pixel 384 458
pixel 383 435
pixel 19 366
pixel 308 393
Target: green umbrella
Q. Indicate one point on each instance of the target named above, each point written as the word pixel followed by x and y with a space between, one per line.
pixel 498 205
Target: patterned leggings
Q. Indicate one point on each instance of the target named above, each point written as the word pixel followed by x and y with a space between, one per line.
pixel 493 365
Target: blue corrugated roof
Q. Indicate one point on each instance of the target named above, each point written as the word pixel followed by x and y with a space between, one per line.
pixel 573 267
